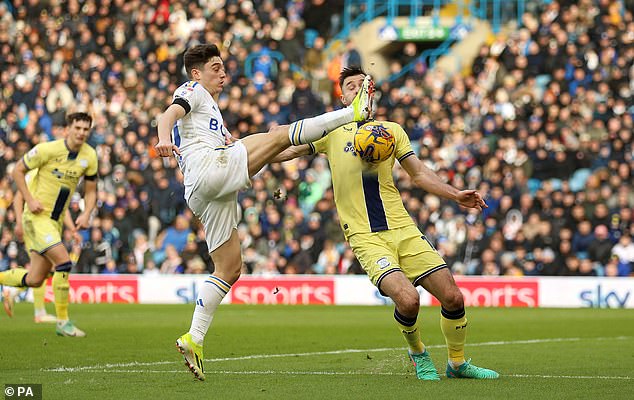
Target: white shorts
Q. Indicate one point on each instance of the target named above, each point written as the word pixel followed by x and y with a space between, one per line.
pixel 214 197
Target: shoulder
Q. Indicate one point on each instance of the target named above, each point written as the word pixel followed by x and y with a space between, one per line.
pixel 187 89
pixel 89 150
pixel 49 147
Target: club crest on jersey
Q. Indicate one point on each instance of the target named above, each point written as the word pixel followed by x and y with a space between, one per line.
pixel 383 262
pixel 83 163
pixel 350 149
pixel 221 160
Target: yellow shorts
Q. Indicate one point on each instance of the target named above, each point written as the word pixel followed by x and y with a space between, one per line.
pixel 41 232
pixel 402 249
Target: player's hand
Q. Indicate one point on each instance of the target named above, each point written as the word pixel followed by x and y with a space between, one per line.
pixel 18 232
pixel 166 149
pixel 230 139
pixel 35 206
pixel 471 199
pixel 82 222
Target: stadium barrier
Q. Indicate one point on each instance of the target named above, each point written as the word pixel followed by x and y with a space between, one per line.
pixel 571 292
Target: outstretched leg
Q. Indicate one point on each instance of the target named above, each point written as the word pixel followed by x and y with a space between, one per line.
pixel 263 147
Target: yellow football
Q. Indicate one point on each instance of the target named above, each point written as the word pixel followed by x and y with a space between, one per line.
pixel 374 142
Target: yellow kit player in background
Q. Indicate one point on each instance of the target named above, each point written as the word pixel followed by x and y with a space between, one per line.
pixel 10 293
pixel 60 165
pixel 394 253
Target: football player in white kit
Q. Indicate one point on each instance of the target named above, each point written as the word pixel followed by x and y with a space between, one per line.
pixel 215 168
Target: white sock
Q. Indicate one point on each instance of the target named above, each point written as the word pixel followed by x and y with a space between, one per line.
pixel 455 365
pixel 310 129
pixel 210 295
pixel 40 312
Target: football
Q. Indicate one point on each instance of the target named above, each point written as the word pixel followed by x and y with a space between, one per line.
pixel 374 142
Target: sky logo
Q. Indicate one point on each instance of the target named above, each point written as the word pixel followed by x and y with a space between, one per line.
pixel 601 297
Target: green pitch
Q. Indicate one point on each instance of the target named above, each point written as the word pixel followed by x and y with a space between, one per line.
pixel 295 352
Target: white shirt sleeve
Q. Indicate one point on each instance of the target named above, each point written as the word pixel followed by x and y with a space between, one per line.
pixel 190 94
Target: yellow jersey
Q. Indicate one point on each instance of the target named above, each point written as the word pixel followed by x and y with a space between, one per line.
pixel 366 197
pixel 55 174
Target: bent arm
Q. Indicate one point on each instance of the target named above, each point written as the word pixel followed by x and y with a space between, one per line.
pixel 19 176
pixel 90 198
pixel 18 207
pixel 166 122
pixel 68 221
pixel 90 195
pixel 427 180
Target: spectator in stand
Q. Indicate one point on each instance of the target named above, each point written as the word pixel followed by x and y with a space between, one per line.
pixel 567 158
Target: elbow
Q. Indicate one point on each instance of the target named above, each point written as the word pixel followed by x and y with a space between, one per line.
pixel 419 181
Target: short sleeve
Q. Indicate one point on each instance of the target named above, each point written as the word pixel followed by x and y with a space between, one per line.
pixel 93 165
pixel 36 157
pixel 403 144
pixel 188 96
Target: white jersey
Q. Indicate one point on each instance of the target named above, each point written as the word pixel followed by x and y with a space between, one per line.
pixel 200 131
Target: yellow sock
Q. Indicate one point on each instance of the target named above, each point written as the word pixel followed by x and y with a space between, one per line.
pixel 60 289
pixel 409 330
pixel 38 297
pixel 13 277
pixel 454 327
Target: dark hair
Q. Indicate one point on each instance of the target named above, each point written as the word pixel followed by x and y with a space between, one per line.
pixel 78 116
pixel 350 71
pixel 197 56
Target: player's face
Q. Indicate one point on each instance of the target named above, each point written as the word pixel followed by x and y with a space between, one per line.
pixel 212 76
pixel 78 132
pixel 351 86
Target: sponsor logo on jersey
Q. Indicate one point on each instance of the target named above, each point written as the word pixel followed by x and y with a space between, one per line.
pixel 350 149
pixel 383 262
pixel 59 174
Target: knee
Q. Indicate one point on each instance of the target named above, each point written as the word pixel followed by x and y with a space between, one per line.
pixel 408 303
pixel 454 300
pixel 233 276
pixel 35 280
pixel 229 273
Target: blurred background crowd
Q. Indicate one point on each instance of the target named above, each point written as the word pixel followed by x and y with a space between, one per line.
pixel 541 123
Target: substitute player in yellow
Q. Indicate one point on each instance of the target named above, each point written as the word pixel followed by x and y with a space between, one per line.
pixel 394 253
pixel 60 165
pixel 10 293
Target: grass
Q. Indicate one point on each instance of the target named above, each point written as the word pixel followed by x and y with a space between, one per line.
pixel 129 354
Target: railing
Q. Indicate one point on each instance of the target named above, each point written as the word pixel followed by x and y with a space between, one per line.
pixel 497 12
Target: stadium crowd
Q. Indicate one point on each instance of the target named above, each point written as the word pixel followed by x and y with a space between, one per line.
pixel 542 123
